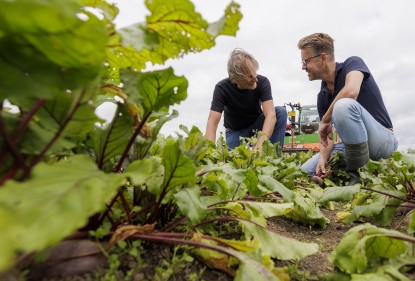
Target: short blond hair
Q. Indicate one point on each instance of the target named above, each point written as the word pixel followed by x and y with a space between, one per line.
pixel 239 62
pixel 319 43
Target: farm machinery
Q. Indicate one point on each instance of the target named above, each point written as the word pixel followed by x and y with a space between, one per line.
pixel 302 127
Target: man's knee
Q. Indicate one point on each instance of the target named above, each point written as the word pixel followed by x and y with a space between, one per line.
pixel 343 107
pixel 281 112
pixel 282 115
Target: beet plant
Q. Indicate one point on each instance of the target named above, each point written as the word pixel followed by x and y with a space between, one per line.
pixel 66 172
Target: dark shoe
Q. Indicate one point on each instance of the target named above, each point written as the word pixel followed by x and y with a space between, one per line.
pixel 354 178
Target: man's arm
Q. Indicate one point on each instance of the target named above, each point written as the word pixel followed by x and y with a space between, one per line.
pixel 212 125
pixel 351 90
pixel 269 123
pixel 325 152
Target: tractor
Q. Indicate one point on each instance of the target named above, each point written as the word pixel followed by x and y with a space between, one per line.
pixel 302 128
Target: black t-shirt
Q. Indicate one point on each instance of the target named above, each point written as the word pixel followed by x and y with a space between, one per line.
pixel 241 107
pixel 369 96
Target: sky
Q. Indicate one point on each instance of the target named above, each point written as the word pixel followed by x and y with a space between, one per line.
pixel 382 32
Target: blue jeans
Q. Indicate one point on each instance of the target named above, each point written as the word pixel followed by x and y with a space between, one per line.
pixel 233 137
pixel 355 125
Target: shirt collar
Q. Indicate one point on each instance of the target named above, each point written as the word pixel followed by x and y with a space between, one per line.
pixel 339 67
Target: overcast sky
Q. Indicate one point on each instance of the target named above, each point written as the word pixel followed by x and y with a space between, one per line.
pixel 382 32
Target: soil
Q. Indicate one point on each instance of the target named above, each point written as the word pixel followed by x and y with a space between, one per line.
pixel 315 265
pixel 158 257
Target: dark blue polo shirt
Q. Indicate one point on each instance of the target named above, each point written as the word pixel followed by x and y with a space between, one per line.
pixel 369 96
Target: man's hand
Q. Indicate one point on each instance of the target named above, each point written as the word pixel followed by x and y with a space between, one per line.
pixel 325 131
pixel 258 146
pixel 321 167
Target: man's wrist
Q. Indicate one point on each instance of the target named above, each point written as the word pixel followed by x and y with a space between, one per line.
pixel 325 120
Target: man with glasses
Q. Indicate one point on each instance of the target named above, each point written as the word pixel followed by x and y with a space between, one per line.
pixel 246 99
pixel 349 99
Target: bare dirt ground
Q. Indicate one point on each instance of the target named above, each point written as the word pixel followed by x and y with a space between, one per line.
pixel 327 239
pixel 314 266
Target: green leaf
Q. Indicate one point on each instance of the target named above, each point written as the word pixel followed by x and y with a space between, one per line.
pixel 120 56
pixel 172 29
pixel 238 175
pixel 154 91
pixel 228 24
pixel 230 178
pixel 278 246
pixel 378 207
pixel 306 210
pixel 56 201
pixel 268 210
pixel 251 182
pixel 178 27
pixel 252 270
pixel 110 11
pixel 219 184
pixel 57 47
pixel 147 171
pixel 365 211
pixel 262 209
pixel 188 201
pixel 195 145
pixel 387 272
pixel 66 113
pixel 371 277
pixel 147 174
pixel 238 210
pixel 411 226
pixel 258 211
pixel 408 158
pixel 251 267
pixel 365 243
pixel 157 120
pixel 338 194
pixel 45 13
pixel 35 138
pixel 385 217
pixel 275 186
pixel 111 140
pixel 178 170
pixel 222 151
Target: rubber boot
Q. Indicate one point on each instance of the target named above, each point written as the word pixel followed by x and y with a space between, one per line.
pixel 357 156
pixel 354 178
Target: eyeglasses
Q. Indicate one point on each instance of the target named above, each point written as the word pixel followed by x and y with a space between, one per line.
pixel 305 61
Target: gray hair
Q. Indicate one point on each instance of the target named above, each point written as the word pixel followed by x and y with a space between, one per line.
pixel 239 62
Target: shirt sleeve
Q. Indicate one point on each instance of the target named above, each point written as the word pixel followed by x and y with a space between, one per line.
pixel 218 101
pixel 356 63
pixel 265 89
